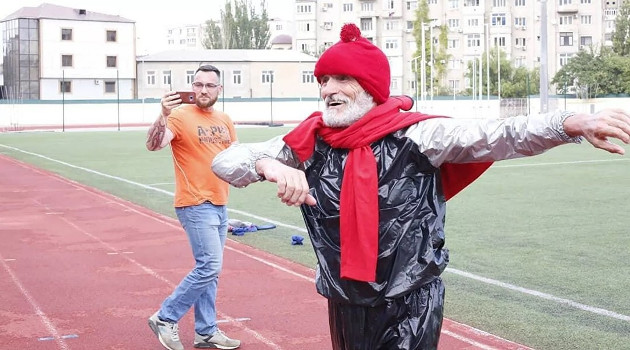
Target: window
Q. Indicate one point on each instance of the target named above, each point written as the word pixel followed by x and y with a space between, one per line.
pixel 65 86
pixel 471 2
pixel 391 25
pixel 111 62
pixel 473 40
pixel 565 58
pixel 391 44
pixel 236 77
pixel 519 21
pixel 453 84
pixel 304 27
pixel 586 19
pixel 564 2
pixel 66 34
pixel 586 40
pixel 453 23
pixel 366 24
pixel 498 3
pixel 389 4
pixel 367 6
pixel 347 7
pixel 566 20
pixel 66 60
pixel 304 9
pixel 111 36
pixel 566 39
pixel 393 85
pixel 498 19
pixel 411 5
pixel 585 1
pixel 499 41
pixel 151 77
pixel 307 76
pixel 166 77
pixel 520 42
pixel 110 87
pixel 267 76
pixel 190 77
pixel 519 2
pixel 454 64
pixel 453 43
pixel 453 4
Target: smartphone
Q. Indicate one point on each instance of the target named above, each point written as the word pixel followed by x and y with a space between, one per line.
pixel 186 96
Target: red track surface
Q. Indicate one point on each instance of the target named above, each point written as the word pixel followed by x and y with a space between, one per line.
pixel 81 269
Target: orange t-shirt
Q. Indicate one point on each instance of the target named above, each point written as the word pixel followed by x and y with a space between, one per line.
pixel 198 137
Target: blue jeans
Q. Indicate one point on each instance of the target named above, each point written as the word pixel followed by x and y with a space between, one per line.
pixel 206 227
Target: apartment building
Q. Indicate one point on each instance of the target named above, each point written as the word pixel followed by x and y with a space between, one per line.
pixel 474 27
pixel 191 36
pixel 51 52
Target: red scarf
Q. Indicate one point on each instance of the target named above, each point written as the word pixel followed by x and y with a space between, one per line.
pixel 358 211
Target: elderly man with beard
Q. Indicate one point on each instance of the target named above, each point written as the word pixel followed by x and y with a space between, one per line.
pixel 196 133
pixel 372 182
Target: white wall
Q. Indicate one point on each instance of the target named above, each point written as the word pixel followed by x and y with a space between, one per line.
pixel 17 116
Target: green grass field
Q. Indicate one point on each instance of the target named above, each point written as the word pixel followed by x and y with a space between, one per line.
pixel 540 247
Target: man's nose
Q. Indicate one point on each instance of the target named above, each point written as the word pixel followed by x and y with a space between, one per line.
pixel 331 87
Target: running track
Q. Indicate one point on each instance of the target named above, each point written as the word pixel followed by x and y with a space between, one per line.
pixel 81 269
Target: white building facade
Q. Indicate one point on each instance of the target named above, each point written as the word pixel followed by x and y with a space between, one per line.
pixel 474 27
pixel 52 53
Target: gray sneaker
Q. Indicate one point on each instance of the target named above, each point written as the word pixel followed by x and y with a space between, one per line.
pixel 167 332
pixel 218 340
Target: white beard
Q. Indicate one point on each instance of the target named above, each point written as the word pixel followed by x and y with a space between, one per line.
pixel 352 112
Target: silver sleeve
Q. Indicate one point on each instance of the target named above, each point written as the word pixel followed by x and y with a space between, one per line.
pixel 237 164
pixel 455 140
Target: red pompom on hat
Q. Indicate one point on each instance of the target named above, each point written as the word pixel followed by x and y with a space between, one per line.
pixel 357 57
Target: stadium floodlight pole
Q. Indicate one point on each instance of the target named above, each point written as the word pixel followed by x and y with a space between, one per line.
pixel 431 57
pixel 544 94
pixel 423 68
pixel 415 64
pixel 498 74
pixel 488 60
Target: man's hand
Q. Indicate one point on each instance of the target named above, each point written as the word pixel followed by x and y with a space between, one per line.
pixel 597 128
pixel 169 101
pixel 292 186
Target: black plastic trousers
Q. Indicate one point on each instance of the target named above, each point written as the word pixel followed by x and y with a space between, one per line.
pixel 410 322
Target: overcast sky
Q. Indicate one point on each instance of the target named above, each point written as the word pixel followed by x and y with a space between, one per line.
pixel 152 16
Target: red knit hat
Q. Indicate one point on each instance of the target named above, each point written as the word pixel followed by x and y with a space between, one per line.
pixel 357 57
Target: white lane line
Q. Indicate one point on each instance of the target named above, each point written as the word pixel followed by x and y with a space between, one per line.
pixel 559 163
pixel 542 295
pixel 462 273
pixel 144 268
pixel 468 340
pixel 50 327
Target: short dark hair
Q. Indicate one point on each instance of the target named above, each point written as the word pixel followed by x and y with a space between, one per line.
pixel 209 68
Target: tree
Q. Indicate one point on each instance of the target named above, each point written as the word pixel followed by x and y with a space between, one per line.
pixel 515 82
pixel 621 35
pixel 420 25
pixel 584 71
pixel 241 28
